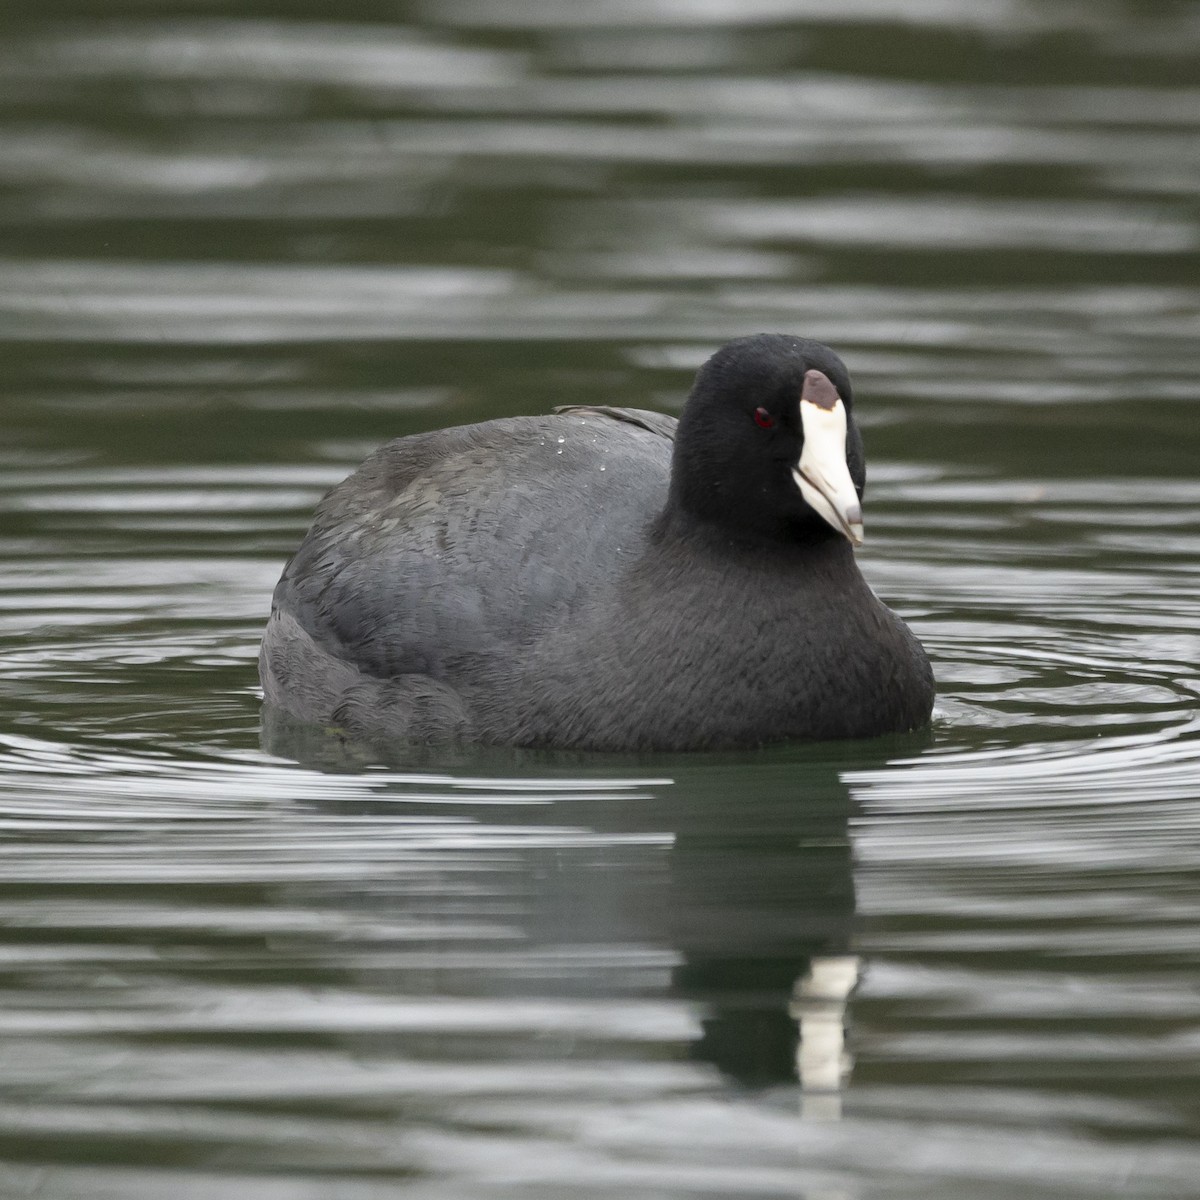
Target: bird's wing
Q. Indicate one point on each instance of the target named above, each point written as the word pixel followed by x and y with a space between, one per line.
pixel 447 550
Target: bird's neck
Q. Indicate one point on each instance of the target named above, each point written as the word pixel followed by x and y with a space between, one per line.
pixel 812 543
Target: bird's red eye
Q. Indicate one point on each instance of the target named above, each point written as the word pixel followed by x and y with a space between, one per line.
pixel 763 419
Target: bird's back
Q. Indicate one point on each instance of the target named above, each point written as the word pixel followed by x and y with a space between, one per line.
pixel 448 553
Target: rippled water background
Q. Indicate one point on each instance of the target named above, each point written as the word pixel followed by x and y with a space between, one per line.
pixel 242 244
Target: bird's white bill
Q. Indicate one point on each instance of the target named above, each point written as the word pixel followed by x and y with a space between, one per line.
pixel 822 474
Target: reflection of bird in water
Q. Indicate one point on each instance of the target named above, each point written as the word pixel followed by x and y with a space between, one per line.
pixel 741 866
pixel 754 907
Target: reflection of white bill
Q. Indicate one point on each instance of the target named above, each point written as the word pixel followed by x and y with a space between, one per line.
pixel 819 1004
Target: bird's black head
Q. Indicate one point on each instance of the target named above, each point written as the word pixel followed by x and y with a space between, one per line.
pixel 767 445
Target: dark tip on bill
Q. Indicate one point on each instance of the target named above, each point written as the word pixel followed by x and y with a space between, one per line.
pixel 818 390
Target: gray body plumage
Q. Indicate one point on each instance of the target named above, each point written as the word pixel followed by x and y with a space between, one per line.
pixel 525 582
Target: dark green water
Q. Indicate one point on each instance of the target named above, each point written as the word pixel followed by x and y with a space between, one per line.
pixel 242 244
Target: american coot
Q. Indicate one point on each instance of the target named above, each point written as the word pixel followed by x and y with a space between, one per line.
pixel 606 578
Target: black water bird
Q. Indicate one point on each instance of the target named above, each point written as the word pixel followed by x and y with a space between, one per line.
pixel 606 579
